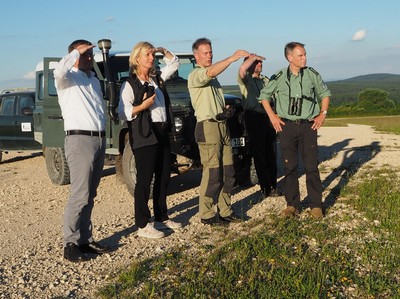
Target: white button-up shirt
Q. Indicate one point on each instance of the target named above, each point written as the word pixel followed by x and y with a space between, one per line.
pixel 79 96
pixel 158 109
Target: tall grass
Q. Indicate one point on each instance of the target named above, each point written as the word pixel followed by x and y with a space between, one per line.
pixel 354 252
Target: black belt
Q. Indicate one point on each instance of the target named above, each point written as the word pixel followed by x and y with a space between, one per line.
pixel 87 133
pixel 255 112
pixel 296 121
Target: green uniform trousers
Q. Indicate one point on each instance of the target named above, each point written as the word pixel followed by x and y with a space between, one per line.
pixel 218 176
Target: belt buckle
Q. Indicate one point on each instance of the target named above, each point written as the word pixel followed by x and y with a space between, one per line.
pixel 298 121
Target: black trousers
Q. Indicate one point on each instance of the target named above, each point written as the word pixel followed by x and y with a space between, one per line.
pixel 300 139
pixel 263 149
pixel 152 160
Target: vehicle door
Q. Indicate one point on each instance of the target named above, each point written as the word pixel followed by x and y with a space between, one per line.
pixel 16 122
pixel 23 129
pixel 7 122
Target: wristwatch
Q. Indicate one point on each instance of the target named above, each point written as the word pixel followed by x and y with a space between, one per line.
pixel 324 112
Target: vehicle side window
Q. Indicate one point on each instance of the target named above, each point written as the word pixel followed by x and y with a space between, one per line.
pixel 40 86
pixel 25 101
pixel 7 106
pixel 52 86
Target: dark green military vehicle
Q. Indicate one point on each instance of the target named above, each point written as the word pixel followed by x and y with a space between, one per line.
pixel 112 68
pixel 16 121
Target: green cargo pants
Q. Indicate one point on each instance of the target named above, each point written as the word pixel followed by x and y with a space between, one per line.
pixel 214 143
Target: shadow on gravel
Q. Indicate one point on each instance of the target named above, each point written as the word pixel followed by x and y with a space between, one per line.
pixel 184 182
pixel 189 208
pixel 354 158
pixel 107 171
pixel 24 156
pixel 114 240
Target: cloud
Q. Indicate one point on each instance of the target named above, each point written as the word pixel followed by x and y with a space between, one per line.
pixel 110 19
pixel 359 35
pixel 30 75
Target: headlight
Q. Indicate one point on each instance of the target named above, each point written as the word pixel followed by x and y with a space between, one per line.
pixel 178 123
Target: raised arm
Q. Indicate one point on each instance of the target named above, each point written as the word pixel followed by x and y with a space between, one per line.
pixel 220 66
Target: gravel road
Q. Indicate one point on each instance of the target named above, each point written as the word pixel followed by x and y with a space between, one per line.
pixel 31 209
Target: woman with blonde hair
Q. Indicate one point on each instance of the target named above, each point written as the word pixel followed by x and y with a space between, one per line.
pixel 145 105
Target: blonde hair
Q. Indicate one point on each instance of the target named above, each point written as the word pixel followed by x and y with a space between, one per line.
pixel 136 53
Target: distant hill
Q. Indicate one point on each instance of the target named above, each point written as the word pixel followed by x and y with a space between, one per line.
pixel 346 91
pixel 390 78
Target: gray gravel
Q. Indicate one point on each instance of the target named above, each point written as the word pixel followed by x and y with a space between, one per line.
pixel 31 209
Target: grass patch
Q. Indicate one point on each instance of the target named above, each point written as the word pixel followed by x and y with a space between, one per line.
pixel 352 253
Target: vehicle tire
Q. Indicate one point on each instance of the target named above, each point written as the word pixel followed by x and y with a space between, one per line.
pixel 253 174
pixel 129 171
pixel 56 164
pixel 129 168
pixel 1 155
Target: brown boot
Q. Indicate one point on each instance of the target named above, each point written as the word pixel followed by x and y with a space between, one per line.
pixel 317 213
pixel 289 212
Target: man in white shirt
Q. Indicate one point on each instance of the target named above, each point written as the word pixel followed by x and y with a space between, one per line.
pixel 83 110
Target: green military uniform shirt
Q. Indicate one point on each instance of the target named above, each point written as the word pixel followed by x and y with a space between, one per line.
pixel 250 88
pixel 308 85
pixel 206 94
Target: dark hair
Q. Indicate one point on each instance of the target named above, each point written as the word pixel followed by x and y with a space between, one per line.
pixel 200 41
pixel 290 47
pixel 76 43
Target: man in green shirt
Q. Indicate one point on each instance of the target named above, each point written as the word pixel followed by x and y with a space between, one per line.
pixel 262 135
pixel 298 90
pixel 212 134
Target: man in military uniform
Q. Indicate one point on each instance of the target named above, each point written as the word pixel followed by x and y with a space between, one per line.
pixel 298 90
pixel 262 135
pixel 212 134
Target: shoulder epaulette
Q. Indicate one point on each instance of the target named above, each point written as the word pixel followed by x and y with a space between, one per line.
pixel 276 76
pixel 313 70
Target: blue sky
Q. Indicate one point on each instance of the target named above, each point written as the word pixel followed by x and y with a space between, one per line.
pixel 343 38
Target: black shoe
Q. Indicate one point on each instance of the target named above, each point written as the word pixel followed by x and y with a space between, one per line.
pixel 264 194
pixel 215 220
pixel 73 254
pixel 94 248
pixel 231 218
pixel 275 193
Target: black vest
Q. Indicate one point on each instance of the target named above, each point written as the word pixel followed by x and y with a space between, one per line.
pixel 141 129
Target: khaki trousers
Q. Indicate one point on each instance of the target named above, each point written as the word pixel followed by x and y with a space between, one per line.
pixel 218 176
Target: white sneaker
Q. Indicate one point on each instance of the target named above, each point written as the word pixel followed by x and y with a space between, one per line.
pixel 167 224
pixel 150 232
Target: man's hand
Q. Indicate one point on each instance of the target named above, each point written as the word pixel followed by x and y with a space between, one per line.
pixel 318 121
pixel 276 122
pixel 83 48
pixel 239 54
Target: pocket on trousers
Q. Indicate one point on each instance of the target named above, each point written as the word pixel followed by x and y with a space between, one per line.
pixel 199 132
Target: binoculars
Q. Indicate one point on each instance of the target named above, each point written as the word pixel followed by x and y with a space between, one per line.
pixel 226 113
pixel 295 106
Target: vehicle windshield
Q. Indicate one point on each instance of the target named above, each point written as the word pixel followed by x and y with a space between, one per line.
pixel 120 68
pixel 182 74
